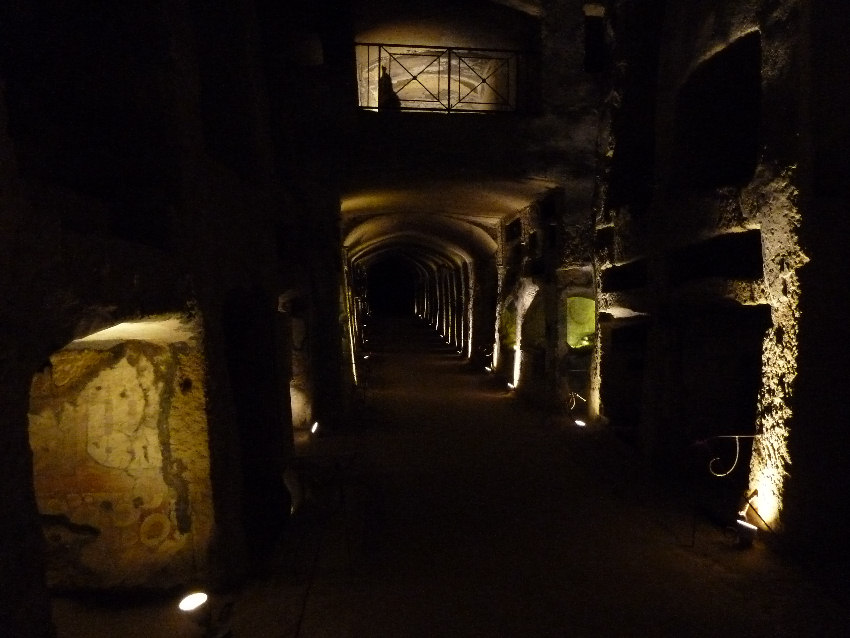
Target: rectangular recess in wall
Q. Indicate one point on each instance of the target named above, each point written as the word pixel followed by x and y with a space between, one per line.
pixel 623 365
pixel 734 256
pixel 513 231
pixel 718 117
pixel 596 55
pixel 626 277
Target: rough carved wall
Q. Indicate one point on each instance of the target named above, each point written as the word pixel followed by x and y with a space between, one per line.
pixel 121 464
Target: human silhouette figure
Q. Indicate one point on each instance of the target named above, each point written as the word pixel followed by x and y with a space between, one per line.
pixel 387 99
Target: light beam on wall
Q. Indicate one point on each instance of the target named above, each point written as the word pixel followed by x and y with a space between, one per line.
pixel 780 218
pixel 527 292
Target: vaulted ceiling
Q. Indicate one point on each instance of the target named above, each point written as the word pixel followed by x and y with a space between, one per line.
pixel 397 203
pixel 454 218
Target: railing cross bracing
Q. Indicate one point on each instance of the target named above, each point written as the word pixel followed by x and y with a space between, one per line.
pixel 443 79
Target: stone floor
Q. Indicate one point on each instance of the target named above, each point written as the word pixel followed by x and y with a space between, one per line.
pixel 452 509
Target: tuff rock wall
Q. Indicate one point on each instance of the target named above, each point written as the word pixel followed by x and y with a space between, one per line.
pixel 121 465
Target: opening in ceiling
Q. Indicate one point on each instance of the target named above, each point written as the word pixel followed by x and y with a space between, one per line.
pixel 412 77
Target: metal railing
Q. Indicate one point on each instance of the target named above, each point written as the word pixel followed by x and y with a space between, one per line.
pixel 444 79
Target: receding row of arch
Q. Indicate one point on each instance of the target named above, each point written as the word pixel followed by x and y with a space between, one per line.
pixel 477 280
pixel 448 257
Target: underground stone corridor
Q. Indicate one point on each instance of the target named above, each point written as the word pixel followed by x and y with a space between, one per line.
pixel 635 205
pixel 453 509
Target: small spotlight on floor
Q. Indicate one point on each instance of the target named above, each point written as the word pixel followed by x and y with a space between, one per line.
pixel 212 616
pixel 746 533
pixel 192 601
pixel 580 423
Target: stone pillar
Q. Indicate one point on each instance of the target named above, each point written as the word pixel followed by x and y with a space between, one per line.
pixel 24 604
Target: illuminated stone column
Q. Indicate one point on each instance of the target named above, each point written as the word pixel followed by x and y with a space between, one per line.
pixel 433 297
pixel 468 305
pixel 773 202
pixel 527 291
pixel 448 328
pixel 441 301
pixel 497 336
pixel 457 308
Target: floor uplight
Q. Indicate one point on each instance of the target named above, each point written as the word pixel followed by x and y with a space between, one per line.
pixel 192 601
pixel 746 533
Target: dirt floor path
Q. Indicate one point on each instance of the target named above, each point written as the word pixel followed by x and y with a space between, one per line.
pixel 452 509
pixel 469 514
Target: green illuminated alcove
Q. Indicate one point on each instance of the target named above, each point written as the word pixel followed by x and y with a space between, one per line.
pixel 581 322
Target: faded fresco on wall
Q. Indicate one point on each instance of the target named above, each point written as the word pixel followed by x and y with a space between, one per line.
pixel 121 464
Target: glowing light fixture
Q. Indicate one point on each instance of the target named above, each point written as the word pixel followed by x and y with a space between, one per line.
pixel 315 427
pixel 511 386
pixel 746 532
pixel 580 423
pixel 193 601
